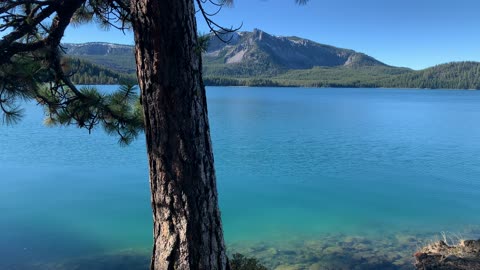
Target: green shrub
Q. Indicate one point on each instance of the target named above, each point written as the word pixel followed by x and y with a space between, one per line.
pixel 240 262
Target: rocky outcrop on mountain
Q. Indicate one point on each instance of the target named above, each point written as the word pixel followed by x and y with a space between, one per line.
pixel 284 52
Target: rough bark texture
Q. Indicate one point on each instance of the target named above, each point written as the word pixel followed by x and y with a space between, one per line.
pixel 187 226
pixel 440 256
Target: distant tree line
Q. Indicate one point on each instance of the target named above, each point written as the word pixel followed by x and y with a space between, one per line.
pixel 84 72
pixel 458 75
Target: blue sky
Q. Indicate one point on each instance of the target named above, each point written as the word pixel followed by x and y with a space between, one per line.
pixel 410 33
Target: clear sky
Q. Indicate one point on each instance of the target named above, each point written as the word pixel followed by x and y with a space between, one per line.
pixel 410 33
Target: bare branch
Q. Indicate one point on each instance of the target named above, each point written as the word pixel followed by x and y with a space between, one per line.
pixel 219 31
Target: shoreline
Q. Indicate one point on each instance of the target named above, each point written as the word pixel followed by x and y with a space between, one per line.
pixel 312 87
pixel 339 251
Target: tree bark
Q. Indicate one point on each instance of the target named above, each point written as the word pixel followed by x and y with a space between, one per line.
pixel 187 226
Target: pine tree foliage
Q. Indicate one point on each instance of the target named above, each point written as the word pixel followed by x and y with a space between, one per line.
pixel 32 66
pixel 17 82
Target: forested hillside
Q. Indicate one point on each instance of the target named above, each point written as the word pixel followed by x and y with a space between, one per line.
pixel 456 75
pixel 113 56
pixel 84 72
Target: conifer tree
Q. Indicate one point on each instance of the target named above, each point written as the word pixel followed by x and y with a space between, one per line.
pixel 171 108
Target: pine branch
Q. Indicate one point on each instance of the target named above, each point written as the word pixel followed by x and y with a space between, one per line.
pixel 35 48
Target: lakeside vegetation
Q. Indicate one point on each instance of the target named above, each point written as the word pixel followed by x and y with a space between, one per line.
pixel 457 75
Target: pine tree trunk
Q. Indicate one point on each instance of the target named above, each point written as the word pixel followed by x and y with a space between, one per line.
pixel 187 226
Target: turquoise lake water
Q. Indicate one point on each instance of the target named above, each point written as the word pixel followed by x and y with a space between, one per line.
pixel 295 166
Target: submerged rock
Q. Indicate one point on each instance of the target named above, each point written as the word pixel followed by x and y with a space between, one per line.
pixel 290 267
pixel 440 256
pixel 333 250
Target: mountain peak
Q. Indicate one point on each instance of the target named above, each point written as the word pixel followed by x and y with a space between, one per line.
pixel 259 48
pixel 259 34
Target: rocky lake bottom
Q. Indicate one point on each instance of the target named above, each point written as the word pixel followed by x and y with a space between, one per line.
pixel 327 252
